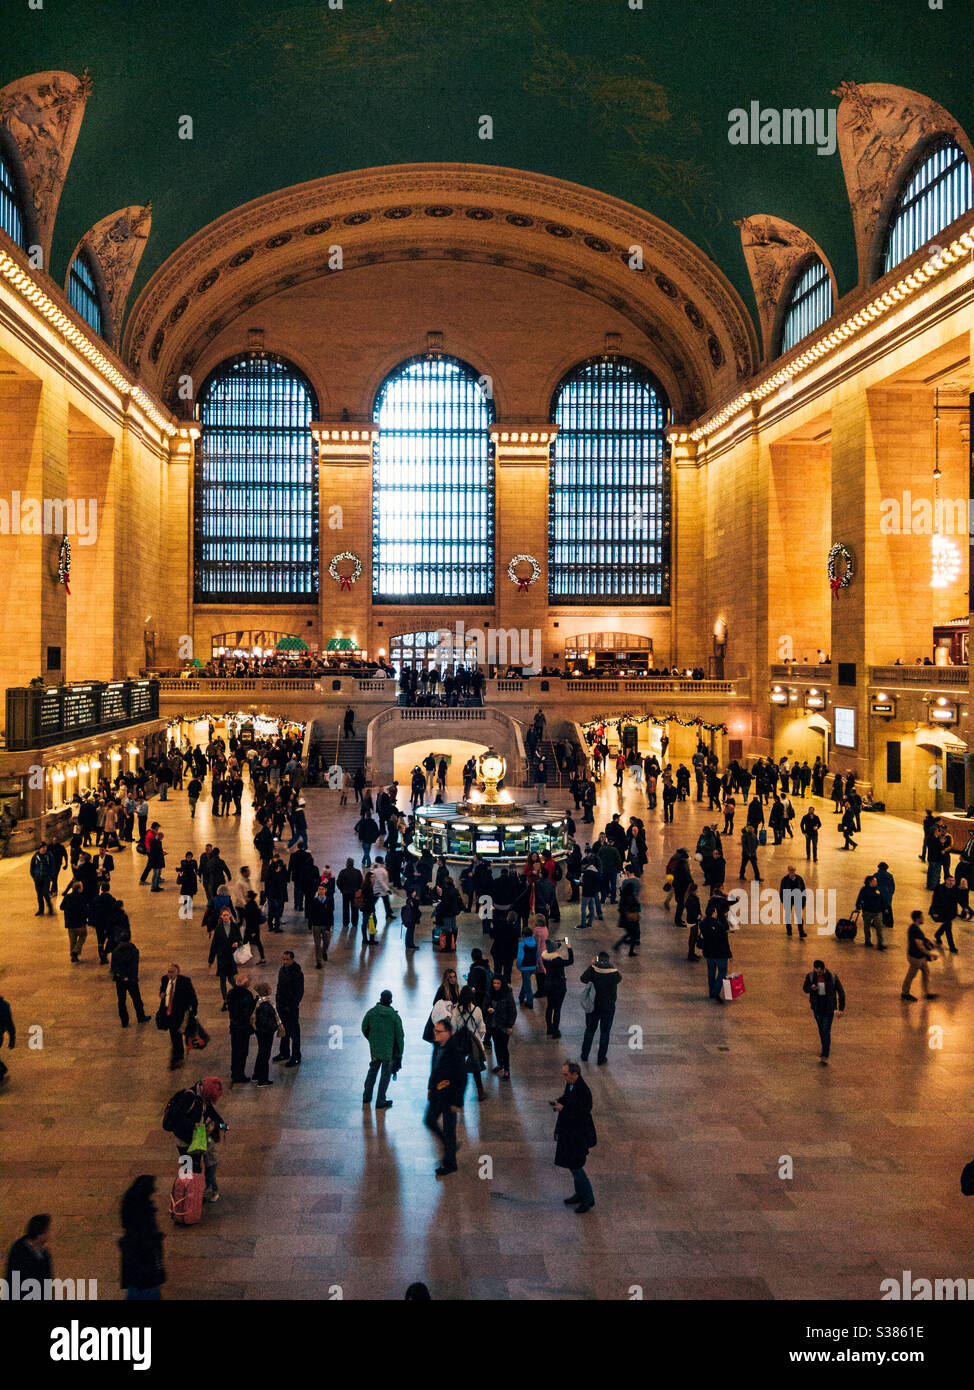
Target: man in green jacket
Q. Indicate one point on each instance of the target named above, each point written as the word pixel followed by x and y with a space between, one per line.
pixel 383 1028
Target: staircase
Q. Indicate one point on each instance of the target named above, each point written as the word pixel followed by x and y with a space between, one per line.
pixel 331 748
pixel 557 779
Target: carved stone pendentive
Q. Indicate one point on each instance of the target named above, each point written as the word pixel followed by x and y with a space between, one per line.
pixel 774 249
pixel 116 244
pixel 43 114
pixel 881 130
pixel 458 212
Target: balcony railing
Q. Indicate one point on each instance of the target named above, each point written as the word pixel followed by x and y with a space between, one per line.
pixel 799 671
pixel 530 687
pixel 443 712
pixel 933 677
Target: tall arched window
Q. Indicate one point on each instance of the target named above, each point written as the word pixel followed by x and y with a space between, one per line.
pixel 83 292
pixel 937 192
pixel 609 487
pixel 433 486
pixel 809 305
pixel 11 207
pixel 256 523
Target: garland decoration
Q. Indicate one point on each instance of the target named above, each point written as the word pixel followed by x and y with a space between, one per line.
pixel 523 583
pixel 64 565
pixel 841 581
pixel 621 719
pixel 345 581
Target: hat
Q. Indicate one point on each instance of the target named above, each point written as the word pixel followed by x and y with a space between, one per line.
pixel 385 997
pixel 211 1088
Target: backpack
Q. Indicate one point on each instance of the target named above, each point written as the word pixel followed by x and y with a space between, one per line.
pixel 174 1105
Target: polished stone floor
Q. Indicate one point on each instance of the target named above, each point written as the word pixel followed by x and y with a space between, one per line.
pixel 695 1124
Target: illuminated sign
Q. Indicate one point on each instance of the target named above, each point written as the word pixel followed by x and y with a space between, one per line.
pixel 845 727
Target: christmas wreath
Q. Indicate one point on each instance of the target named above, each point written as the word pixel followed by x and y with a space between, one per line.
pixel 345 581
pixel 839 581
pixel 523 582
pixel 64 565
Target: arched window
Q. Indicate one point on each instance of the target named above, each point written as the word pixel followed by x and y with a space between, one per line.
pixel 809 305
pixel 11 206
pixel 433 486
pixel 83 292
pixel 256 522
pixel 937 192
pixel 609 487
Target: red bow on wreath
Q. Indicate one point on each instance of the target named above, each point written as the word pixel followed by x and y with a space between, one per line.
pixel 523 585
pixel 344 581
pixel 835 585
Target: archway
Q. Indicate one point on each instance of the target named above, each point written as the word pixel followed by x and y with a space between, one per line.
pixel 455 750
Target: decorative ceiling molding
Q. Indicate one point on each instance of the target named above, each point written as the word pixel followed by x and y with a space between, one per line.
pixel 43 114
pixel 773 250
pixel 543 226
pixel 879 130
pixel 116 244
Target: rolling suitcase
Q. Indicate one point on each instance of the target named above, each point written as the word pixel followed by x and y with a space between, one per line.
pixel 186 1199
pixel 847 927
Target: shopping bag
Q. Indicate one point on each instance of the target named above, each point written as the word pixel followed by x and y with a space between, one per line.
pixel 243 953
pixel 732 986
pixel 197 1145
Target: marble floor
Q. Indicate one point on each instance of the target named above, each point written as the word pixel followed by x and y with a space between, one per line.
pixel 698 1111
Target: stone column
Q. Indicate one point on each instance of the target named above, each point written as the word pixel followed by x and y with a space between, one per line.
pixel 180 493
pixel 882 448
pixel 521 461
pixel 691 621
pixel 345 524
pixel 33 605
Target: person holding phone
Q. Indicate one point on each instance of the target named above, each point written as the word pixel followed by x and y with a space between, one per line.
pixel 827 998
pixel 556 956
pixel 575 1135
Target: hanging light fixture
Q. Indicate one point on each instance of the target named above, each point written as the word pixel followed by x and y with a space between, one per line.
pixel 945 558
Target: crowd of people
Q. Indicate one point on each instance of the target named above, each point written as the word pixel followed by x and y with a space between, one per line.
pixel 472 1023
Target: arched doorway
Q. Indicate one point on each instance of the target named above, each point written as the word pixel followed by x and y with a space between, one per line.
pixel 455 750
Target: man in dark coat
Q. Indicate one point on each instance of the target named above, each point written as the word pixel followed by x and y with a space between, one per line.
pixel 575 1135
pixel 7 1029
pixel 125 973
pixel 290 992
pixel 177 1000
pixel 241 1004
pixel 826 996
pixel 40 872
pixel 506 935
pixel 448 1079
pixel 226 938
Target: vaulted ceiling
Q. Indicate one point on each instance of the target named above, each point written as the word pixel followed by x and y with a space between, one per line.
pixel 632 102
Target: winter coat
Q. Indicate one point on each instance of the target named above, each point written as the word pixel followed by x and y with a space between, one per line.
pixel 383 1028
pixel 574 1127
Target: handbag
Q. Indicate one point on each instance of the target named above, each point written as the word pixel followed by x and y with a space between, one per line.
pixel 589 997
pixel 428 1034
pixel 243 953
pixel 197 1145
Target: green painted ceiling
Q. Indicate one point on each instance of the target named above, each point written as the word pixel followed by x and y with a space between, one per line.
pixel 633 102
